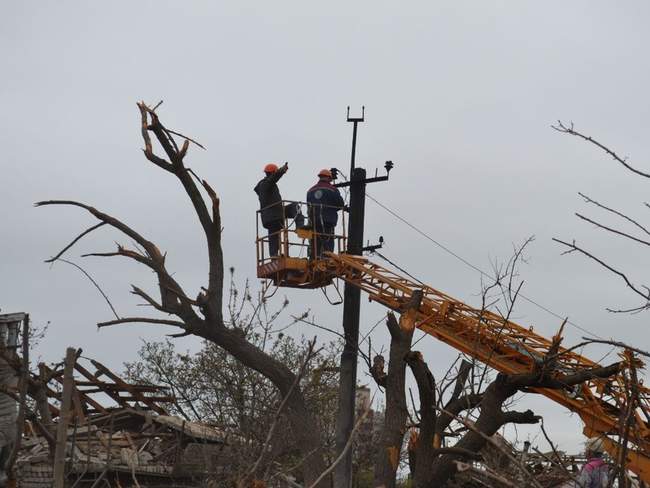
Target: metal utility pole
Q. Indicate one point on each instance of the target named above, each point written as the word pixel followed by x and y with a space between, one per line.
pixel 351 308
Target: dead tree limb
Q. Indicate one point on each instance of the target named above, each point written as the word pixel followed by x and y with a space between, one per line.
pixel 569 129
pixel 573 247
pixel 560 127
pixel 612 230
pixel 142 320
pixel 203 316
pixel 435 468
pixel 87 231
pixel 96 285
pixel 615 212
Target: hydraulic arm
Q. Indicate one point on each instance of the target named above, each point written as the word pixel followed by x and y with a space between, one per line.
pixel 501 344
pixel 508 348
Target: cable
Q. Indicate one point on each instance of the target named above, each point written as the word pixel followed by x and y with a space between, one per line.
pixel 424 334
pixel 425 235
pixel 363 339
pixel 398 267
pixel 475 268
pixel 467 263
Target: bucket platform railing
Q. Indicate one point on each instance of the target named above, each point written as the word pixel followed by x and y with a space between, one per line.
pixel 302 242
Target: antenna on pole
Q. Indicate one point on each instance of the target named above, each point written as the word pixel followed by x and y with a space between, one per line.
pixel 355 121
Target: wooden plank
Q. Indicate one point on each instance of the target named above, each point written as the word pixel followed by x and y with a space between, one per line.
pixel 64 419
pixel 119 381
pixel 162 399
pixel 101 386
pixel 84 397
pixel 78 408
pixel 92 377
pixel 9 318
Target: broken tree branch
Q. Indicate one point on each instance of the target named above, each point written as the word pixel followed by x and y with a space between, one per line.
pixel 143 320
pixel 94 283
pixel 615 212
pixel 613 231
pixel 490 440
pixel 573 247
pixel 560 127
pixel 87 231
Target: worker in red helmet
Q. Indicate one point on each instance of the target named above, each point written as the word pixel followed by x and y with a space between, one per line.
pixel 271 203
pixel 325 201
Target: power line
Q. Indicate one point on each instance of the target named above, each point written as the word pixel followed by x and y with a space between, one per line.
pixel 398 267
pixel 472 266
pixel 383 317
pixel 466 263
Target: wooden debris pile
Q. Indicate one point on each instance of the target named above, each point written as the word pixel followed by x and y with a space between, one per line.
pixel 133 442
pixel 504 467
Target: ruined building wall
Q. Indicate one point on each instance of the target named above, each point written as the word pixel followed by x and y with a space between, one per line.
pixel 9 325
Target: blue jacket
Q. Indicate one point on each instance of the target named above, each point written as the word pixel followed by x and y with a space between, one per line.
pixel 325 200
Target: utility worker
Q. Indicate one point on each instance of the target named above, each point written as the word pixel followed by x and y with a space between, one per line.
pixel 325 201
pixel 594 474
pixel 271 204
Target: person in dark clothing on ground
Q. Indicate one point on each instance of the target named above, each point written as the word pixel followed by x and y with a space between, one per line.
pixel 271 204
pixel 324 201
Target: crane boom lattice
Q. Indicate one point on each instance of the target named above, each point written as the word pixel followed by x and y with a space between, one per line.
pixel 486 336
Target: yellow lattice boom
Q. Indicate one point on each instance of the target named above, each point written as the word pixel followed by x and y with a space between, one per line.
pixel 498 343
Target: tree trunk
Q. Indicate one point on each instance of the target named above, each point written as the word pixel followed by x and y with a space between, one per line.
pixel 303 425
pixel 396 413
pixel 424 451
pixel 490 420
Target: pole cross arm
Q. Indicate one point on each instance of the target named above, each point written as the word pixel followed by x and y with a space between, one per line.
pixel 375 179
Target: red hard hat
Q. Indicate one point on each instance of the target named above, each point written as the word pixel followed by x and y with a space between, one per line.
pixel 270 168
pixel 325 172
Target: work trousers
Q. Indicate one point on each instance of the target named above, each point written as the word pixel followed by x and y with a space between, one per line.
pixel 324 238
pixel 274 229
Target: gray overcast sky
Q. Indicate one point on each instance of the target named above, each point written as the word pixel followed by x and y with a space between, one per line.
pixel 460 95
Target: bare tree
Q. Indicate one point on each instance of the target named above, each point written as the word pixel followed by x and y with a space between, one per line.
pixel 201 316
pixel 212 386
pixel 641 290
pixel 435 466
pixel 638 234
pixel 457 417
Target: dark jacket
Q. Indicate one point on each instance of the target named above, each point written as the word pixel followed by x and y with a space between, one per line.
pixel 325 201
pixel 269 194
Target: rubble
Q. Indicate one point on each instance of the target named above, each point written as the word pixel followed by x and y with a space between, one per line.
pixel 134 442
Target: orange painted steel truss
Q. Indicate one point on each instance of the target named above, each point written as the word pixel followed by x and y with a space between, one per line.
pixel 508 348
